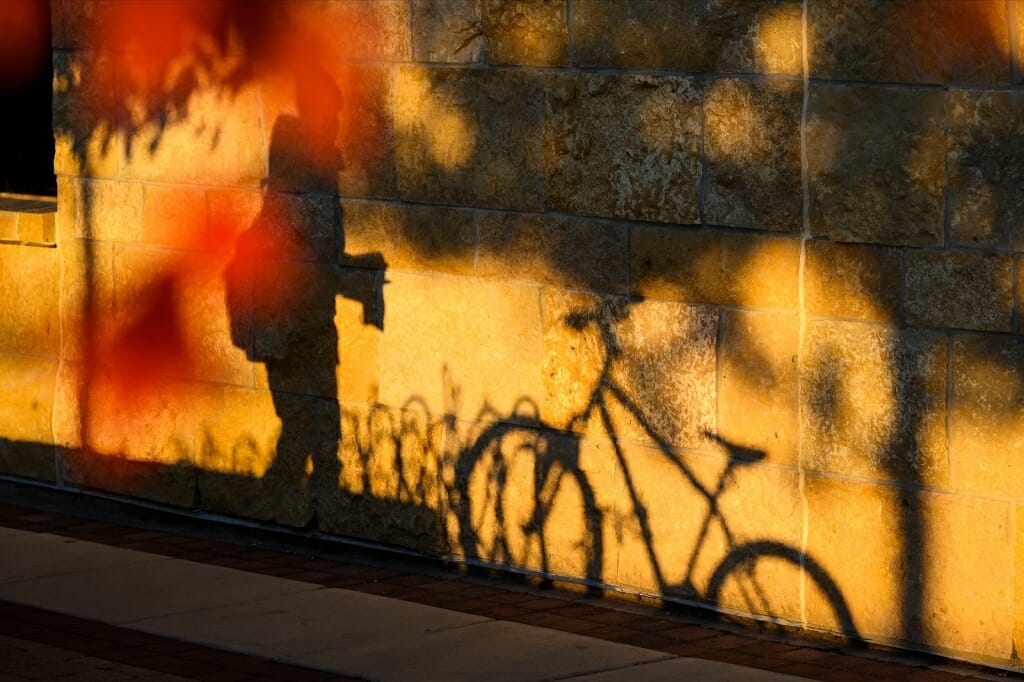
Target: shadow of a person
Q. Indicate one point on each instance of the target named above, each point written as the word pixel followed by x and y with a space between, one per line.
pixel 281 293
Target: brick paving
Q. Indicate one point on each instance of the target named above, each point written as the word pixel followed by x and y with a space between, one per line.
pixel 28 635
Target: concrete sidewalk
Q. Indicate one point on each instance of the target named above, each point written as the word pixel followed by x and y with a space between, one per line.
pixel 311 626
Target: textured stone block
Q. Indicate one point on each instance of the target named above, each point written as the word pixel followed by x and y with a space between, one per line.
pixel 358 371
pixel 176 217
pixel 752 146
pixel 953 41
pixel 727 36
pixel 623 146
pixel 986 415
pixel 986 148
pixel 714 267
pixel 388 487
pixel 459 345
pixel 568 252
pixel 469 137
pixel 960 289
pixel 447 31
pixel 140 446
pixel 377 30
pixel 181 293
pixel 661 549
pixel 874 402
pixel 29 295
pixel 87 295
pixel 876 164
pixel 420 238
pixel 526 32
pixel 243 467
pixel 925 568
pixel 660 357
pixel 9 225
pixel 852 281
pixel 109 210
pixel 526 496
pixel 84 112
pixel 37 227
pixel 757 383
pixel 227 127
pixel 26 409
pixel 1018 583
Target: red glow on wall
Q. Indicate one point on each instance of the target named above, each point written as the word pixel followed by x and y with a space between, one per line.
pixel 24 41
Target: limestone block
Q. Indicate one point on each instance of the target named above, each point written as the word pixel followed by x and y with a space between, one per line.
pixel 752 146
pixel 986 417
pixel 757 383
pixel 367 141
pixel 226 125
pixel 231 212
pixel 388 486
pixel 9 225
pixel 174 216
pixel 140 445
pixel 852 281
pixel 37 227
pixel 418 238
pixel 29 295
pixel 960 289
pixel 623 146
pixel 953 41
pixel 468 137
pixel 447 31
pixel 661 513
pixel 186 293
pixel 873 402
pixel 85 105
pixel 109 210
pixel 567 252
pixel 925 568
pixel 876 164
pixel 1018 584
pixel 26 408
pixel 726 35
pixel 523 495
pixel 301 227
pixel 459 345
pixel 358 370
pixel 714 267
pixel 362 30
pixel 244 468
pixel 651 365
pixel 526 32
pixel 986 145
pixel 87 295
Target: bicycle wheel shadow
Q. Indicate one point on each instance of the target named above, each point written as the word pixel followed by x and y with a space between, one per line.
pixel 528 492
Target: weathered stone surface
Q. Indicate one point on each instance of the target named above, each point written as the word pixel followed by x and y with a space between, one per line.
pixel 714 267
pixel 752 146
pixel 757 383
pixel 986 166
pixel 29 295
pixel 469 137
pixel 953 41
pixel 1018 583
pixel 447 31
pixel 37 228
pixel 726 35
pixel 366 141
pixel 141 446
pixel 362 31
pixel 219 140
pixel 87 295
pixel 852 281
pixel 87 140
pixel 920 567
pixel 874 402
pixel 987 414
pixel 9 225
pixel 659 355
pixel 526 32
pixel 358 371
pixel 419 238
pixel 243 468
pixel 108 210
pixel 388 487
pixel 187 291
pixel 623 146
pixel 568 252
pixel 174 216
pixel 757 502
pixel 458 345
pixel 876 164
pixel 527 496
pixel 26 407
pixel 960 289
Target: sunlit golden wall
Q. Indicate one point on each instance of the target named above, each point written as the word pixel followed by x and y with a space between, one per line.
pixel 718 301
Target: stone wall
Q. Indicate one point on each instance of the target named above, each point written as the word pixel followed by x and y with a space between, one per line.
pixel 715 300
